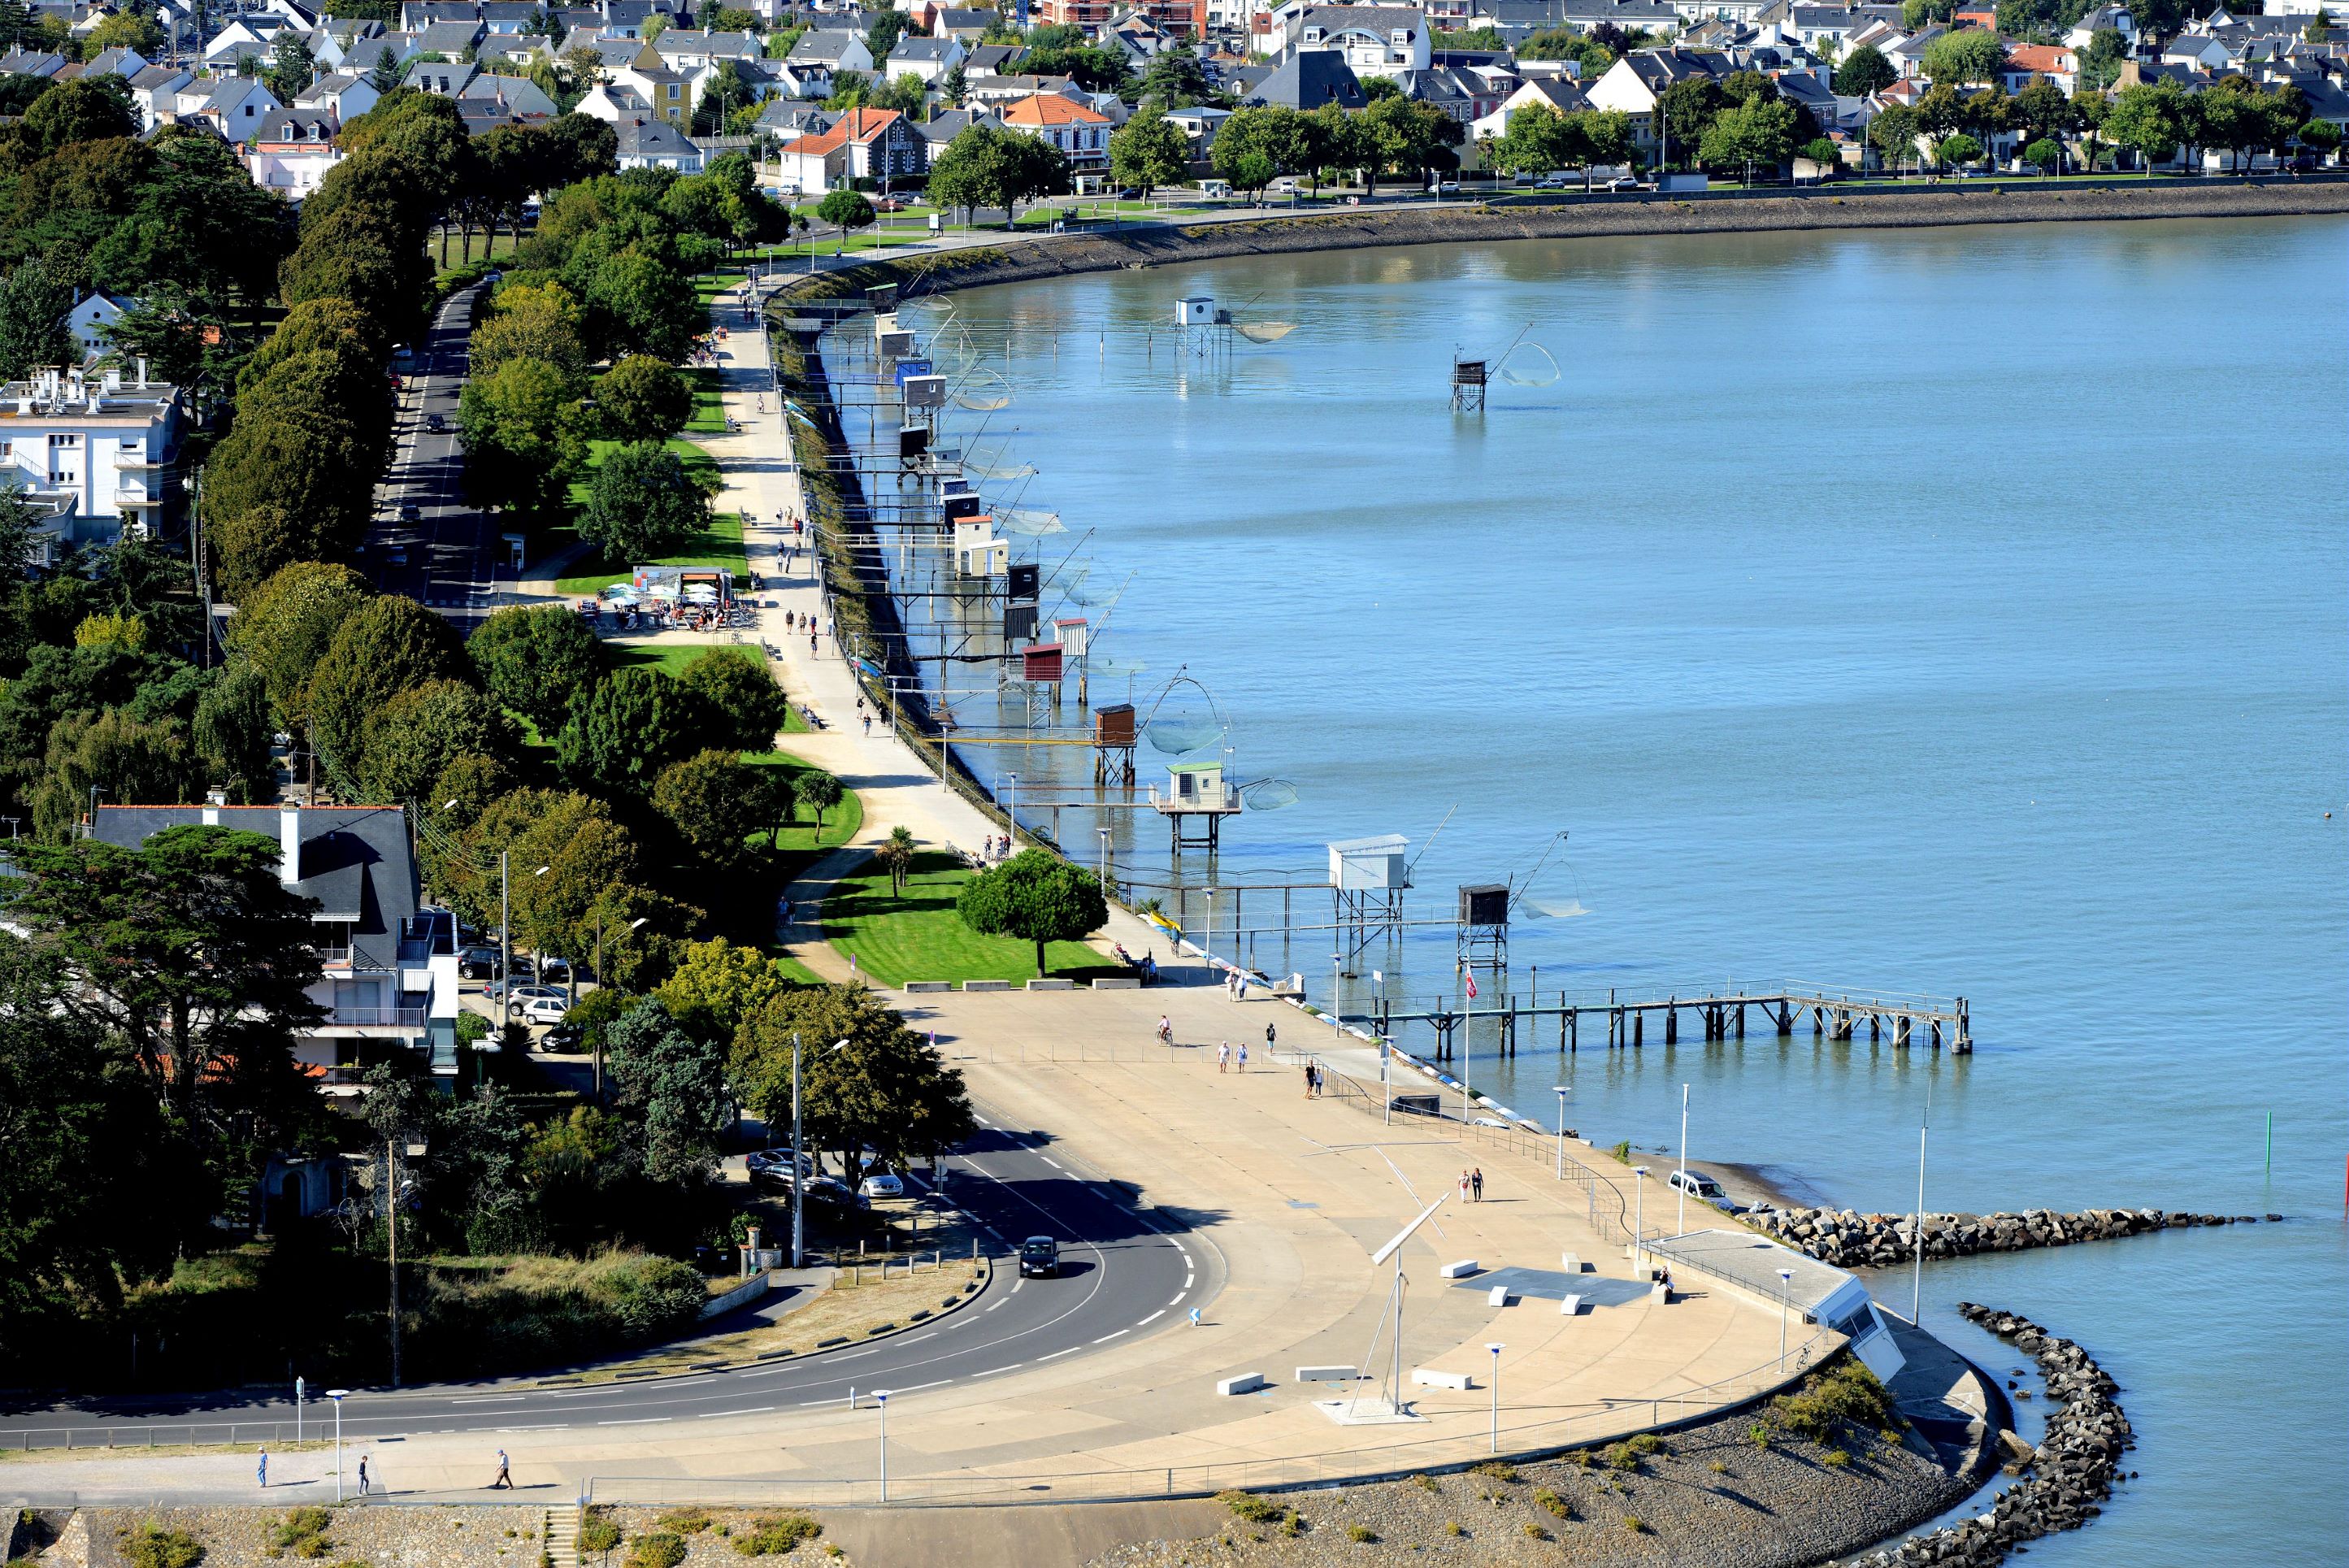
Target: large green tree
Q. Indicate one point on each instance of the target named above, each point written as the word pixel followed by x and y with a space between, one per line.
pixel 644 504
pixel 1864 71
pixel 746 706
pixel 386 647
pixel 642 399
pixel 671 1092
pixel 524 437
pixel 287 624
pixel 623 734
pixel 714 802
pixel 1036 896
pixel 536 661
pixel 1147 152
pixel 885 1090
pixel 1966 58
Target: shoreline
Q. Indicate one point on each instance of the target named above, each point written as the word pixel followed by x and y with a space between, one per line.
pixel 1021 259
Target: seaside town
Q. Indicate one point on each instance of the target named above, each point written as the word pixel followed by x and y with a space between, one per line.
pixel 623 939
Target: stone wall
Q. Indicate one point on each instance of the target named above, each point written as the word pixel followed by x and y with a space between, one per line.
pixel 1853 1240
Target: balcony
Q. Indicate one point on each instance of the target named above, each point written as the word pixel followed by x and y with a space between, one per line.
pixel 374 1018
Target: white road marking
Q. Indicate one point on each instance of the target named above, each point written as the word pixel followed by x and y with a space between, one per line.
pixel 1055 1164
pixel 1188 1281
pixel 1013 1368
pixel 488 1398
pixel 1175 1302
pixel 1154 1318
pixel 1120 1333
pixel 917 1387
pixel 635 1421
pixel 1058 1353
pixel 753 1410
pixel 998 1303
pixel 919 1338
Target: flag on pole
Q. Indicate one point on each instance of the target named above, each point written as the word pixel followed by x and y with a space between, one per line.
pixel 1471 984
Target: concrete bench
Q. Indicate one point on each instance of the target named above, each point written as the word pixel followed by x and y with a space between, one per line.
pixel 913 986
pixel 1459 1270
pixel 1325 1374
pixel 1569 1306
pixel 1569 1262
pixel 1051 985
pixel 1245 1383
pixel 987 985
pixel 1429 1377
pixel 1119 982
pixel 1498 1295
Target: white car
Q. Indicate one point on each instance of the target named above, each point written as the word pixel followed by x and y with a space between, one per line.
pixel 523 995
pixel 1696 1186
pixel 881 1184
pixel 543 1010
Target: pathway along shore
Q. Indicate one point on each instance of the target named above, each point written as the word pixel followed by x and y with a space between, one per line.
pixel 1020 259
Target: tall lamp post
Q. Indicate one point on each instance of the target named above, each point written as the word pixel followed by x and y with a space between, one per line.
pixel 1495 1348
pixel 880 1400
pixel 799 1174
pixel 1785 1285
pixel 1680 1225
pixel 635 925
pixel 1638 1213
pixel 338 1396
pixel 1561 1091
pixel 1337 1025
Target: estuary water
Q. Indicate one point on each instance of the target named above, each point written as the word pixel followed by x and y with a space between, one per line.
pixel 1960 611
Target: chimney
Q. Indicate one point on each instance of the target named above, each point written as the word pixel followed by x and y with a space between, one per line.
pixel 289 843
pixel 142 369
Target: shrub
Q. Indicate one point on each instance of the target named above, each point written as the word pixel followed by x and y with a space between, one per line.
pixel 1453 1527
pixel 1248 1506
pixel 1622 1151
pixel 1717 1468
pixel 597 1532
pixel 1631 1523
pixel 1847 1394
pixel 1496 1469
pixel 657 1551
pixel 1836 1460
pixel 1294 1524
pixel 1361 1535
pixel 1425 1483
pixel 1758 1435
pixel 1622 1456
pixel 684 1521
pixel 152 1546
pixel 776 1534
pixel 1647 1443
pixel 1535 1531
pixel 1552 1504
pixel 1584 1456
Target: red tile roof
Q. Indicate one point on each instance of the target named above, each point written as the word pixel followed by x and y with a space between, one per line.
pixel 1050 109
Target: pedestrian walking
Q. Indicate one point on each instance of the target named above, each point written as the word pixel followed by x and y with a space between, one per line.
pixel 262 1470
pixel 1223 1055
pixel 1317 1080
pixel 1476 1183
pixel 1308 1080
pixel 363 1475
pixel 1243 1056
pixel 1269 1037
pixel 1464 1184
pixel 505 1478
pixel 868 723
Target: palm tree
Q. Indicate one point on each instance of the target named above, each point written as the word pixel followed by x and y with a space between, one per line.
pixel 896 857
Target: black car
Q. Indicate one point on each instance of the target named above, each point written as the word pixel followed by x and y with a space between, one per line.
pixel 435 422
pixel 478 963
pixel 564 1038
pixel 410 512
pixel 1039 1257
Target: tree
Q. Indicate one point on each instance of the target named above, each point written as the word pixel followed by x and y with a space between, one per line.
pixel 986 166
pixel 820 791
pixel 642 399
pixel 384 648
pixel 2320 136
pixel 1147 152
pixel 2041 110
pixel 1176 79
pixel 671 1090
pixel 115 752
pixel 522 437
pixel 1759 130
pixel 87 108
pixel 1966 57
pixel 881 35
pixel 896 857
pixel 1956 152
pixel 845 210
pixel 954 85
pixel 1536 139
pixel 1688 108
pixel 1406 135
pixel 285 625
pixel 623 734
pixel 1037 898
pixel 2101 62
pixel 2046 155
pixel 34 298
pixel 1822 152
pixel 232 736
pixel 537 660
pixel 717 986
pixel 746 706
pixel 713 801
pixel 886 1090
pixel 290 65
pixel 530 321
pixel 1565 44
pixel 643 504
pixel 1864 71
pixel 415 735
pixel 2141 120
pixel 2320 26
pixel 1895 131
pixel 125 30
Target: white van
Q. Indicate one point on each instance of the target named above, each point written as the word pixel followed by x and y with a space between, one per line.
pixel 1215 187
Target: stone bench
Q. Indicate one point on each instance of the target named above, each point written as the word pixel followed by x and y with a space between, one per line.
pixel 987 985
pixel 1245 1383
pixel 1119 982
pixel 1459 1270
pixel 1051 985
pixel 916 986
pixel 1429 1377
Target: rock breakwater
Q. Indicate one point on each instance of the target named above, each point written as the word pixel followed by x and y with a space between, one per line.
pixel 2067 1476
pixel 1850 1239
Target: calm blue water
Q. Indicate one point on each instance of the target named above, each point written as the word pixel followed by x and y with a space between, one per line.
pixel 1956 611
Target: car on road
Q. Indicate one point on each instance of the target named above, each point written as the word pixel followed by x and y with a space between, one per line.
pixel 513 994
pixel 1039 1257
pixel 564 1038
pixel 410 512
pixel 478 963
pixel 435 424
pixel 1625 183
pixel 882 1184
pixel 545 1009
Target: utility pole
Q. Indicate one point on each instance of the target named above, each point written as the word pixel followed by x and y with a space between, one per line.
pixel 391 1229
pixel 505 940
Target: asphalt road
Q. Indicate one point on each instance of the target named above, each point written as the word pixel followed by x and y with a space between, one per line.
pixel 449 556
pixel 1123 1273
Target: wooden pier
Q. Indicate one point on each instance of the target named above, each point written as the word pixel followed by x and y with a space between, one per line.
pixel 1718 1014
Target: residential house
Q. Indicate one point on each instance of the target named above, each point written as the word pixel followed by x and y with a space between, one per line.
pixel 1635 85
pixel 331 45
pixel 1373 40
pixel 348 96
pixel 90 317
pixel 833 49
pixel 948 123
pixel 1078 130
pixel 156 90
pixel 784 118
pixel 656 143
pixel 926 61
pixel 996 92
pixel 1198 125
pixel 518 98
pixel 2025 61
pixel 291 152
pixel 1306 81
pixel 1459 96
pixel 672 94
pixel 1907 54
pixel 253 36
pixel 966 22
pixel 109 439
pixel 414 15
pixel 685 51
pixel 2119 18
pixel 453 39
pixel 1559 95
pixel 123 63
pixel 40 64
pixel 389 963
pixel 442 78
pixel 1632 16
pixel 613 103
pixel 511 18
pixel 862 145
pixel 992 59
pixel 395 49
pixel 233 106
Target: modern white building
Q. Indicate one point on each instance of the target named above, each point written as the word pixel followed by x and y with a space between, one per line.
pixel 111 441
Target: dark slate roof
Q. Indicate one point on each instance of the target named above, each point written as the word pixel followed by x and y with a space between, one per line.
pixel 992 59
pixel 1310 79
pixel 354 862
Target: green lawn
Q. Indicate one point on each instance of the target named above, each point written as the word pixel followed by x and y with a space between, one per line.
pixel 920 936
pixel 671 658
pixel 708 416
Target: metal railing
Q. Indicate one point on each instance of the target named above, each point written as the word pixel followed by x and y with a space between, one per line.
pixel 377 1017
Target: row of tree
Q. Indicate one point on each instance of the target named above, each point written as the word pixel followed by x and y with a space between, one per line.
pixel 1391 134
pixel 2155 121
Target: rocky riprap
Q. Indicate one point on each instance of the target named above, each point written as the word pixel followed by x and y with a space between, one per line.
pixel 2066 1477
pixel 1852 1241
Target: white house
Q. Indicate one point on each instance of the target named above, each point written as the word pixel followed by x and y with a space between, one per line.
pixel 1375 40
pixel 156 90
pixel 291 152
pixel 926 61
pixel 1635 85
pixel 233 106
pixel 654 143
pixel 1078 130
pixel 111 441
pixel 90 316
pixel 348 96
pixel 862 144
pixel 1559 94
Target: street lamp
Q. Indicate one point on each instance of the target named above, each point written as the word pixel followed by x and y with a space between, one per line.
pixel 1011 815
pixel 799 1176
pixel 1105 857
pixel 1680 1226
pixel 1561 1091
pixel 1785 1283
pixel 1495 1346
pixel 338 1396
pixel 1337 1025
pixel 297 1412
pixel 1638 1211
pixel 881 1398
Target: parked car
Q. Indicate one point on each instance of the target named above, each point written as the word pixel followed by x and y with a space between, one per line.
pixel 554 970
pixel 564 1038
pixel 515 994
pixel 1039 1257
pixel 1696 1186
pixel 545 1009
pixel 832 1190
pixel 410 512
pixel 1625 183
pixel 882 1184
pixel 478 963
